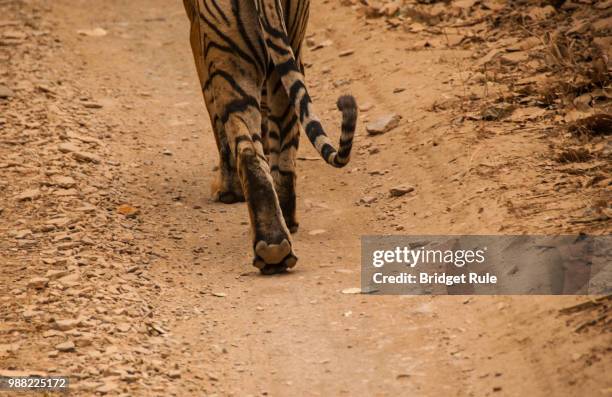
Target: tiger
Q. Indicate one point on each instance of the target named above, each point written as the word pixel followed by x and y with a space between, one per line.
pixel 248 57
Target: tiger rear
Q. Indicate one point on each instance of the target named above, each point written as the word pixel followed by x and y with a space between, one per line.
pixel 248 59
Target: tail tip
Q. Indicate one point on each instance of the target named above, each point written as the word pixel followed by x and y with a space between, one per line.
pixel 346 102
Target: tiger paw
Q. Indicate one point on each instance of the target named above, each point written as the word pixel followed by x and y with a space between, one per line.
pixel 228 197
pixel 268 269
pixel 274 258
pixel 227 191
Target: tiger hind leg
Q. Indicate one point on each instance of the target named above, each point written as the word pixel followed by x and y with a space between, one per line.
pixel 283 137
pixel 226 186
pixel 272 245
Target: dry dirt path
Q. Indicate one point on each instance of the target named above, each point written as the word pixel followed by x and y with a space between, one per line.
pixel 233 332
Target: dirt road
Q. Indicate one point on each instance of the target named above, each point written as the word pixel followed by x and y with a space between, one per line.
pixel 205 321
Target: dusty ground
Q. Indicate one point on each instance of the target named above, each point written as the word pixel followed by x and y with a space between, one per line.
pixel 120 271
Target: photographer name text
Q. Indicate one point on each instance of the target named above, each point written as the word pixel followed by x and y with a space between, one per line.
pixel 436 278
